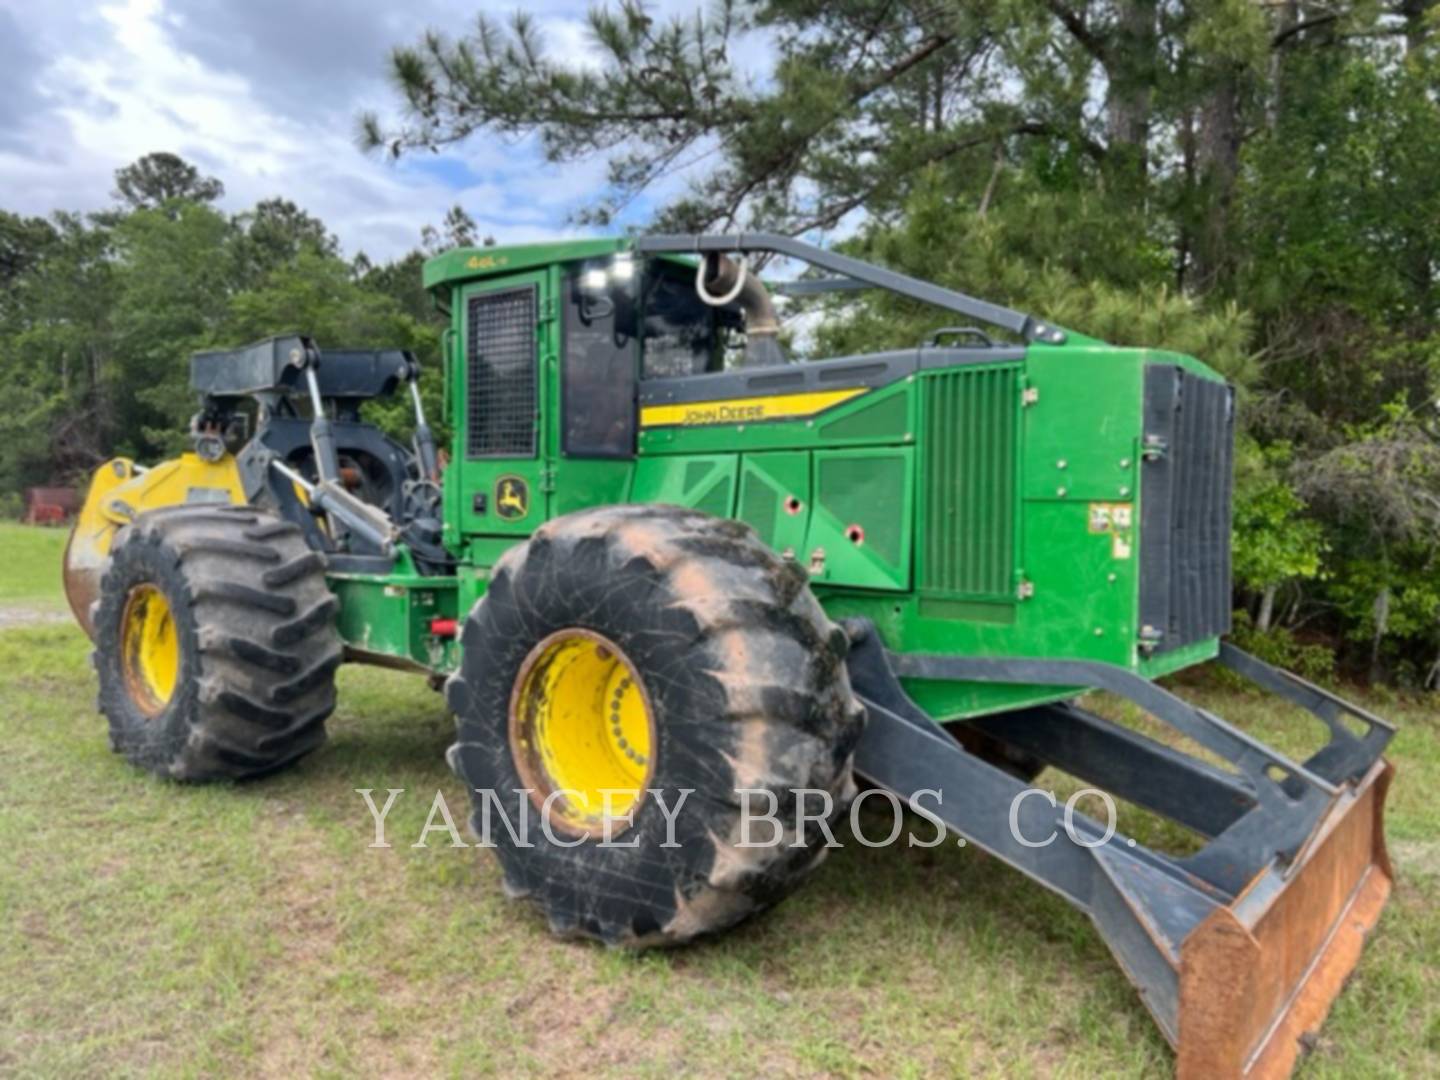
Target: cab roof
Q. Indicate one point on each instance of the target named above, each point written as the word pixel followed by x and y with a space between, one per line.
pixel 471 263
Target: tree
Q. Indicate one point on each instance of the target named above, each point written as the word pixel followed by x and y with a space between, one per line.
pixel 1381 488
pixel 23 242
pixel 172 290
pixel 56 348
pixel 401 280
pixel 99 314
pixel 1135 98
pixel 317 293
pixel 158 178
pixel 1274 542
pixel 457 230
pixel 1006 255
pixel 274 234
pixel 1250 183
pixel 670 94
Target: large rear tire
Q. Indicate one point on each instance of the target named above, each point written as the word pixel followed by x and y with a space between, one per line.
pixel 215 643
pixel 652 649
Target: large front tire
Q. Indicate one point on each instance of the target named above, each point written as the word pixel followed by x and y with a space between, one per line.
pixel 655 650
pixel 215 643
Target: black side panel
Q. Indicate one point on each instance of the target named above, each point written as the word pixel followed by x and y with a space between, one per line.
pixel 874 370
pixel 869 370
pixel 501 406
pixel 1185 507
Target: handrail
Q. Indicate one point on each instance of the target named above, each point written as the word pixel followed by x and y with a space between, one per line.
pixel 1017 322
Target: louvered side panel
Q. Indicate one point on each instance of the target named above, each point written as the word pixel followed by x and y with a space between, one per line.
pixel 969 455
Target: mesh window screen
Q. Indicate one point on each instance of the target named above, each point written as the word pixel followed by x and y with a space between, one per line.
pixel 500 374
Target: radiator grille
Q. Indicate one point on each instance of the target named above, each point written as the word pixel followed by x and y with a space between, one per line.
pixel 1185 508
pixel 500 374
pixel 971 421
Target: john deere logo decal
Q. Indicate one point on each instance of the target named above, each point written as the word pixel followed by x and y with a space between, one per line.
pixel 512 498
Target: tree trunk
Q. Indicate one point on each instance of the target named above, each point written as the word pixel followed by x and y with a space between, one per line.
pixel 1217 154
pixel 994 180
pixel 1185 248
pixel 1414 12
pixel 1418 256
pixel 1267 609
pixel 1287 20
pixel 1382 624
pixel 1131 65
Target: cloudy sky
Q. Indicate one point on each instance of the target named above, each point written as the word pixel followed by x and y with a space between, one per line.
pixel 264 95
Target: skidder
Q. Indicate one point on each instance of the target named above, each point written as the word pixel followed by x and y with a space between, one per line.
pixel 664 558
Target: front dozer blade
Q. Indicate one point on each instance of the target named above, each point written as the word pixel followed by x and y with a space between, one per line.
pixel 1239 950
pixel 1258 976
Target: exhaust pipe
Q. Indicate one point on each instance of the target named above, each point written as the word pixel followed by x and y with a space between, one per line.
pixel 721 281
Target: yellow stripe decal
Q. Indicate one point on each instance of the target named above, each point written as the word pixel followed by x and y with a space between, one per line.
pixel 745 410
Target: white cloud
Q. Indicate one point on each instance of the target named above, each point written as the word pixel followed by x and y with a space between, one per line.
pixel 263 94
pixel 570 38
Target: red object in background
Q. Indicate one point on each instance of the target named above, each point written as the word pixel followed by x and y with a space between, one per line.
pixel 50 505
pixel 446 628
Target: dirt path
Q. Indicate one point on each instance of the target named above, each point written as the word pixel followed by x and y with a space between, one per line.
pixel 15 615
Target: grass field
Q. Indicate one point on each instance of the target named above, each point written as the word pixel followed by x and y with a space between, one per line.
pixel 151 928
pixel 30 567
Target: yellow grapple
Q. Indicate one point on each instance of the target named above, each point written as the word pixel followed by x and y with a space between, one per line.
pixel 120 491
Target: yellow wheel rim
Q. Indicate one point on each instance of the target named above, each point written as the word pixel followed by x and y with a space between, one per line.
pixel 149 648
pixel 581 725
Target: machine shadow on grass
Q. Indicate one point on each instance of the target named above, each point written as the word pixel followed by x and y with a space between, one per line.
pixel 857 889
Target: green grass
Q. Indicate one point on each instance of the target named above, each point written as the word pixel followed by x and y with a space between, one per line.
pixel 151 928
pixel 30 565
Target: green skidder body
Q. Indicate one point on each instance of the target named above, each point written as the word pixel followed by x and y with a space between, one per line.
pixel 968 498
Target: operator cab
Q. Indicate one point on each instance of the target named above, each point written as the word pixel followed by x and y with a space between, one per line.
pixel 624 317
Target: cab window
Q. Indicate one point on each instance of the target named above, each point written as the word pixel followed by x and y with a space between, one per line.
pixel 681 334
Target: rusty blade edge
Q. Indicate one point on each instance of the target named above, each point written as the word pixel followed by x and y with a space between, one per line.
pixel 1242 1012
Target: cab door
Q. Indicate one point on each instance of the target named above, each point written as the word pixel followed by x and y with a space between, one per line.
pixel 505 336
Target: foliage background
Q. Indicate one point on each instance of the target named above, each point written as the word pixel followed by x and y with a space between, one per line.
pixel 1254 182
